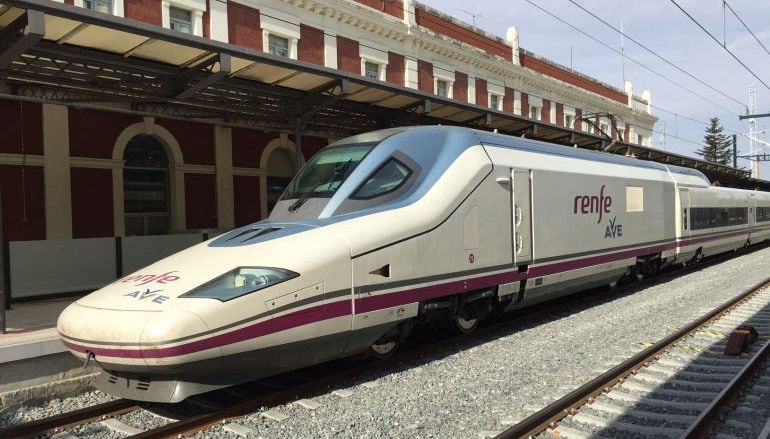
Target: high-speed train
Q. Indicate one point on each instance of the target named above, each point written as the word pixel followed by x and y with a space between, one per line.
pixel 382 231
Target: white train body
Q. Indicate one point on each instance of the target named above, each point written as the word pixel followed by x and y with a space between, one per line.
pixel 398 222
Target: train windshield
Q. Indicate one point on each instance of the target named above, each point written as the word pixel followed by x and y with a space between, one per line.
pixel 325 173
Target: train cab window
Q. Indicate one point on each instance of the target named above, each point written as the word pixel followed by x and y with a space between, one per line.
pixel 325 173
pixel 386 179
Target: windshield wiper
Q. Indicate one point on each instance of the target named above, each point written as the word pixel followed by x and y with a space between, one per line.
pixel 328 178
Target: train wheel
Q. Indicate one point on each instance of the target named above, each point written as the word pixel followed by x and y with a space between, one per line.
pixel 466 319
pixel 387 344
pixel 383 349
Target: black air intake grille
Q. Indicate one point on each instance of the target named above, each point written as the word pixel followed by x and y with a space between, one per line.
pixel 143 384
pixel 248 235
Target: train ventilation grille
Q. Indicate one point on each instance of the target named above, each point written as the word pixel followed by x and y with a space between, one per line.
pixel 143 384
pixel 250 234
pixel 112 379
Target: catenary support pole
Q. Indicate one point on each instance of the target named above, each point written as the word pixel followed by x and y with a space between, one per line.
pixel 735 150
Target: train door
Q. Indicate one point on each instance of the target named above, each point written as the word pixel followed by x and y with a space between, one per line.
pixel 684 203
pixel 751 220
pixel 522 215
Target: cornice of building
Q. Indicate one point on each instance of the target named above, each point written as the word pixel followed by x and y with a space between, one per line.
pixel 371 20
pixel 462 24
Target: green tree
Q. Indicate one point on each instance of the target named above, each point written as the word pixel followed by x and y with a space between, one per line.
pixel 717 146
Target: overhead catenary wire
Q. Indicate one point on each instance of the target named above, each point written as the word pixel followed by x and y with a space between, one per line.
pixel 656 54
pixel 745 26
pixel 690 118
pixel 675 136
pixel 640 64
pixel 720 44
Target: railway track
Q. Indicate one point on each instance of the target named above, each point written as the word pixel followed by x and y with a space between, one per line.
pixel 57 424
pixel 678 387
pixel 321 379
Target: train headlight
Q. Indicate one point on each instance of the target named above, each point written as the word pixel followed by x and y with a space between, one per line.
pixel 241 281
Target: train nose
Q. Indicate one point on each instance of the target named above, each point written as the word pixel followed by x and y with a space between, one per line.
pixel 132 340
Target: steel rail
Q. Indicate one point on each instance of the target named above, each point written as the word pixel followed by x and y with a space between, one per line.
pixel 701 426
pixel 567 405
pixel 57 423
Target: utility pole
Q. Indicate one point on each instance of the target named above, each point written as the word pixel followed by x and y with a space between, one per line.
pixel 622 55
pixel 474 16
pixel 753 127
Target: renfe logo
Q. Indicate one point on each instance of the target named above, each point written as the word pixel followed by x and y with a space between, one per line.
pixel 588 204
pixel 144 279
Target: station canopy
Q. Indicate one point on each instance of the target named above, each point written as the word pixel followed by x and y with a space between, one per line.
pixel 58 53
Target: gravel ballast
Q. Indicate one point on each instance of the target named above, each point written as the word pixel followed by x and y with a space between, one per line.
pixel 477 388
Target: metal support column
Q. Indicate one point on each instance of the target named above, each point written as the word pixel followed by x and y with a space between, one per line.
pixel 5 298
pixel 298 144
pixel 735 151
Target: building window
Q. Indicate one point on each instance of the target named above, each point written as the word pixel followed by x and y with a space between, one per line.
pixel 569 121
pixel 104 6
pixel 180 20
pixel 146 187
pixel 280 170
pixel 278 45
pixel 371 70
pixel 604 128
pixel 494 101
pixel 534 112
pixel 640 139
pixel 621 134
pixel 442 88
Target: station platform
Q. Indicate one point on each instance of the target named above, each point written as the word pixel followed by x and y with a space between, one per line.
pixel 33 361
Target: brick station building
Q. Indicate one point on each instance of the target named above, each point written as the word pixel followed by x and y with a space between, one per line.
pixel 69 172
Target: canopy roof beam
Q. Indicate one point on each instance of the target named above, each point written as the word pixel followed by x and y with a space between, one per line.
pixel 31 24
pixel 322 98
pixel 187 86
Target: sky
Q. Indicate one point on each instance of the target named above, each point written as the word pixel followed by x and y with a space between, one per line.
pixel 662 27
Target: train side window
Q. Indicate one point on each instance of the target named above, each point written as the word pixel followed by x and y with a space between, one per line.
pixel 762 214
pixel 684 218
pixel 710 217
pixel 386 179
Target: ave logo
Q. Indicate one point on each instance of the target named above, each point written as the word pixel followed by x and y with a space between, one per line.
pixel 613 230
pixel 151 295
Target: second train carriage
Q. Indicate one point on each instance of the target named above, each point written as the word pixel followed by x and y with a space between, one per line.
pixel 383 229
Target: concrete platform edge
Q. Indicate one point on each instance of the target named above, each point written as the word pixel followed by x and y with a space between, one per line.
pixel 62 388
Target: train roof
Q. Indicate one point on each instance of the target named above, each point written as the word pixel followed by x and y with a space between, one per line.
pixel 566 151
pixel 459 138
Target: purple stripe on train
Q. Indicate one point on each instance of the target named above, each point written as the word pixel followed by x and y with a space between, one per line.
pixel 373 303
